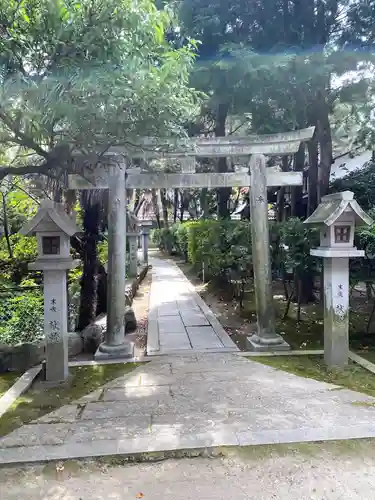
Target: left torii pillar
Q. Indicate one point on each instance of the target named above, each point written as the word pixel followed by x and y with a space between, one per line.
pixel 115 344
pixel 53 228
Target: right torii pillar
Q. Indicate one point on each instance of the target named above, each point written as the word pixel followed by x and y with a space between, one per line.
pixel 266 338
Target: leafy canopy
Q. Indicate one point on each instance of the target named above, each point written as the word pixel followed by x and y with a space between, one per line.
pixel 87 75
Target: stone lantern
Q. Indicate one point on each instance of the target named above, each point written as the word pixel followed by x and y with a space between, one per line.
pixel 337 216
pixel 53 228
pixel 132 233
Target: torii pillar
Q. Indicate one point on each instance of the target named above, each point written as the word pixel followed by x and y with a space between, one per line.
pixel 115 344
pixel 266 338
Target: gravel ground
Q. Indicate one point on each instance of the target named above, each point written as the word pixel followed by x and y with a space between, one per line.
pixel 343 470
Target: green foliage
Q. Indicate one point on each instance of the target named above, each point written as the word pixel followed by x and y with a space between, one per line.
pixel 21 317
pixel 362 183
pixel 24 248
pixel 222 247
pixel 164 238
pixel 181 239
pixel 20 206
pixel 89 75
pixel 103 251
pixel 296 241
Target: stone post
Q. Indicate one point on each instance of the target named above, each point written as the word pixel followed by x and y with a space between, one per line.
pixel 56 324
pixel 133 254
pixel 266 338
pixel 336 311
pixel 114 344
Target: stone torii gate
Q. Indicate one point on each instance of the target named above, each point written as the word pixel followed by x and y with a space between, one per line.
pixel 117 178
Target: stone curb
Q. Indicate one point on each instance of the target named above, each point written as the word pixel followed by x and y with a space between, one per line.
pixel 18 388
pixel 148 448
pixel 362 362
pixel 254 354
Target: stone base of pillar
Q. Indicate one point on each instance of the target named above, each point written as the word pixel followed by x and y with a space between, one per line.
pixel 267 344
pixel 122 351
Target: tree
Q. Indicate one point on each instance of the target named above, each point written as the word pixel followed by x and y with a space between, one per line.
pixel 271 63
pixel 79 77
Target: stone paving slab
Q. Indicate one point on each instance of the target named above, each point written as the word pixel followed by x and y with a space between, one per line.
pixel 192 402
pixel 174 308
pixel 203 337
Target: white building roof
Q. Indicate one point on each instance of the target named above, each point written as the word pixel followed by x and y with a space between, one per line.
pixel 345 165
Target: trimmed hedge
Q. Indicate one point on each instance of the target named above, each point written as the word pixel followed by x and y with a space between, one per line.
pixel 223 248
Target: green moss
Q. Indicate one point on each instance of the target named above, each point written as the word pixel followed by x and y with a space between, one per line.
pixel 353 377
pixel 6 381
pixel 40 400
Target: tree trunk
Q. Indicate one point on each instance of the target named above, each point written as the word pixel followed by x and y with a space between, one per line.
pixel 323 130
pixel 175 205
pixel 297 206
pixel 70 200
pixel 89 281
pixel 312 180
pixel 137 200
pixel 304 288
pixel 223 194
pixel 164 204
pixel 6 227
pixel 280 203
pixel 156 206
pixel 204 203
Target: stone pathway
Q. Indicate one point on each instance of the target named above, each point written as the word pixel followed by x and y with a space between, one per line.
pixel 179 320
pixel 308 472
pixel 194 401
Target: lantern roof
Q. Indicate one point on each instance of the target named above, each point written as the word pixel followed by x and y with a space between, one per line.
pixel 51 216
pixel 333 206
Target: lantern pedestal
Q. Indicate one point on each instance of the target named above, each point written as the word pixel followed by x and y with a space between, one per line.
pixel 53 229
pixel 55 317
pixel 337 216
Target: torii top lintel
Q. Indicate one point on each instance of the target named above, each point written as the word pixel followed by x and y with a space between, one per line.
pixel 273 144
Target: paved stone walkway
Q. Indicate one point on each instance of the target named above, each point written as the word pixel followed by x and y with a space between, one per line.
pixel 179 320
pixel 194 401
pixel 309 472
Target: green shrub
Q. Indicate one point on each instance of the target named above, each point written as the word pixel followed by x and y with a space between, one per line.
pixel 224 247
pixel 164 239
pixel 181 239
pixel 295 242
pixel 21 317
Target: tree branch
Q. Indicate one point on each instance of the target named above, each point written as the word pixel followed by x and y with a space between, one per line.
pixel 43 169
pixel 22 138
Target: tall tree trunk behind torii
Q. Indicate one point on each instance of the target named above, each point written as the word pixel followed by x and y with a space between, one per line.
pixel 223 194
pixel 324 137
pixel 164 204
pixel 155 205
pixel 312 178
pixel 89 281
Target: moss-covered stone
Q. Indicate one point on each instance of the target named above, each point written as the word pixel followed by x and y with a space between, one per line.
pixel 352 377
